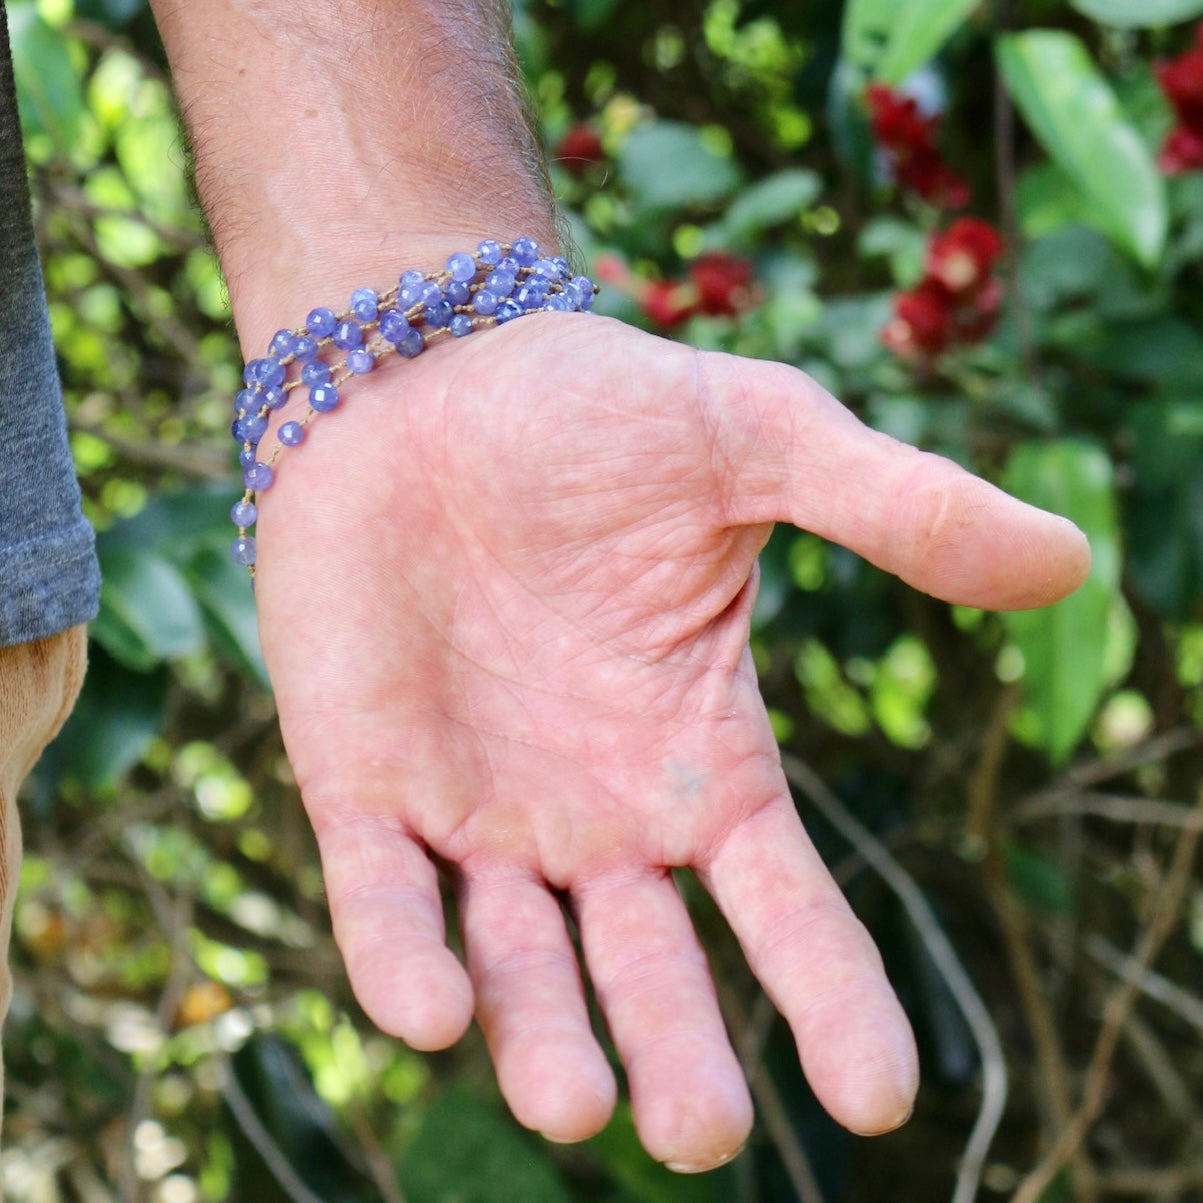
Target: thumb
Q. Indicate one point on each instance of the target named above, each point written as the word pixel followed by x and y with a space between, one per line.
pixel 795 454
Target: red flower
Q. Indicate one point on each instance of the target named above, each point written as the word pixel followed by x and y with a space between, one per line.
pixel 1183 151
pixel 964 255
pixel 959 298
pixel 579 149
pixel 723 284
pixel 1181 80
pixel 717 284
pixel 909 139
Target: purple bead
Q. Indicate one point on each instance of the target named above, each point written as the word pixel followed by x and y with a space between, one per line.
pixel 412 278
pixel 251 428
pixel 321 322
pixel 282 343
pixel 413 285
pixel 532 293
pixel 411 344
pixel 525 251
pixel 364 304
pixel 508 310
pixel 348 334
pixel 585 286
pixel 461 267
pixel 246 401
pixel 508 264
pixel 361 361
pixel 500 282
pixel 439 314
pixel 317 371
pixel 393 325
pixel 457 293
pixel 558 303
pixel 489 252
pixel 549 269
pixel 243 551
pixel 485 302
pixel 323 398
pixel 460 325
pixel 244 513
pixel 431 293
pixel 564 266
pixel 275 398
pixel 291 434
pixel 247 457
pixel 304 349
pixel 258 477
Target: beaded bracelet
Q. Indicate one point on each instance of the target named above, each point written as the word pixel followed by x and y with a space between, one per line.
pixel 490 286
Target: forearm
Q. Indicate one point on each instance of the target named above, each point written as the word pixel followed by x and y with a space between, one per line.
pixel 336 144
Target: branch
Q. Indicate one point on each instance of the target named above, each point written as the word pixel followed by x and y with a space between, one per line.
pixel 1161 923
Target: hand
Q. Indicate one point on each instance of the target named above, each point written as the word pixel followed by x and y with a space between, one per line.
pixel 504 598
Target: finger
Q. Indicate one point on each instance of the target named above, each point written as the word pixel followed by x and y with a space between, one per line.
pixel 820 967
pixel 794 454
pixel 531 1006
pixel 691 1104
pixel 388 922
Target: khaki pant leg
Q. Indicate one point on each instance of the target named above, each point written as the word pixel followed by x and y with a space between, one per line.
pixel 39 683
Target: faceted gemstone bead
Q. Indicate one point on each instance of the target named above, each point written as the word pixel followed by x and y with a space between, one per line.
pixel 304 349
pixel 246 401
pixel 431 293
pixel 531 293
pixel 489 251
pixel 457 292
pixel 246 457
pixel 282 343
pixel 461 267
pixel 508 309
pixel 393 324
pixel 411 344
pixel 525 251
pixel 364 303
pixel 557 303
pixel 347 335
pixel 317 371
pixel 275 398
pixel 485 302
pixel 586 289
pixel 564 266
pixel 411 290
pixel 258 477
pixel 251 428
pixel 411 279
pixel 291 434
pixel 549 269
pixel 361 361
pixel 244 513
pixel 323 398
pixel 321 322
pixel 460 325
pixel 500 282
pixel 243 550
pixel 439 314
pixel 508 264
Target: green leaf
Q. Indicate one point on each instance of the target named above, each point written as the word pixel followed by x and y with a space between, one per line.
pixel 49 91
pixel 1038 880
pixel 118 713
pixel 1075 115
pixel 668 165
pixel 891 38
pixel 228 603
pixel 1067 647
pixel 471 1152
pixel 772 201
pixel 1132 14
pixel 147 612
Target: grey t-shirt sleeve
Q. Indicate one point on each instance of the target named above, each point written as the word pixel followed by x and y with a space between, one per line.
pixel 49 578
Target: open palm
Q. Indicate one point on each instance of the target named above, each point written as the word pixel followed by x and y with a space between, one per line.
pixel 504 600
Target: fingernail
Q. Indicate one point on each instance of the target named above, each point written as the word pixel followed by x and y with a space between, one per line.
pixel 701 1167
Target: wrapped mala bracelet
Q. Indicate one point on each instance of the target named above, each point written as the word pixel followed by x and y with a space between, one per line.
pixel 492 285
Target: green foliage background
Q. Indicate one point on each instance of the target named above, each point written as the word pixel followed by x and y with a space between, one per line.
pixel 182 1029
